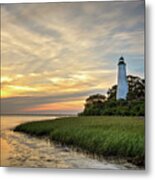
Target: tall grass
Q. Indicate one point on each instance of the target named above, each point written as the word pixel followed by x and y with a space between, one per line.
pixel 120 137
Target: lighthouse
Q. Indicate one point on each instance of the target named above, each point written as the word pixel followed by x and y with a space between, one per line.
pixel 122 83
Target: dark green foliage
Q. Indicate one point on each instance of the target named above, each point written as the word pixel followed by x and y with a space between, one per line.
pixel 119 137
pixel 121 107
pixel 133 106
pixel 136 89
pixel 112 93
pixel 96 98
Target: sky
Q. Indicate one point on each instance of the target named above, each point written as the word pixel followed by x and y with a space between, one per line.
pixel 55 55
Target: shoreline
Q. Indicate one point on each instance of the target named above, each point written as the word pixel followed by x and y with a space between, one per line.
pixel 70 139
pixel 109 159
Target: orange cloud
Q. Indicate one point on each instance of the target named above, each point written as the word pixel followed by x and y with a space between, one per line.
pixel 72 105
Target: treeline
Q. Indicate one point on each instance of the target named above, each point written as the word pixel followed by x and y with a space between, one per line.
pixel 99 104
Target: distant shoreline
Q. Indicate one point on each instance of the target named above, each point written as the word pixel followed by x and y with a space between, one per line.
pixel 39 115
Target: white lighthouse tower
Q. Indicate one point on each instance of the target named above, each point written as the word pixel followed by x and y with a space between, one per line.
pixel 122 84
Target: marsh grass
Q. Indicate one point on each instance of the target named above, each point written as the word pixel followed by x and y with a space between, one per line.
pixel 118 137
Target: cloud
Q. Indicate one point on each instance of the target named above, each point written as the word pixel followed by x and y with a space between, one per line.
pixel 33 104
pixel 68 48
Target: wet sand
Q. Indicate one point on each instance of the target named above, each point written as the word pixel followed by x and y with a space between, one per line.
pixel 5 150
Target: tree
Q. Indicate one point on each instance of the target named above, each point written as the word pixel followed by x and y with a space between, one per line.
pixel 98 104
pixel 112 93
pixel 94 104
pixel 136 89
pixel 97 98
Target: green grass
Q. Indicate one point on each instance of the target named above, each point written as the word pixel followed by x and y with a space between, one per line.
pixel 117 137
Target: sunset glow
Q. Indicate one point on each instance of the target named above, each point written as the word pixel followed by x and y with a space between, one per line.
pixel 74 106
pixel 54 55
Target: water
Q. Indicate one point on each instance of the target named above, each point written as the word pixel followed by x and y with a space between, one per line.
pixel 20 150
